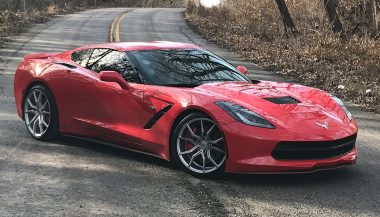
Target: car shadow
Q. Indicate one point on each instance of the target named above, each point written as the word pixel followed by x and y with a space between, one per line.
pixel 113 151
pixel 319 177
pixel 327 176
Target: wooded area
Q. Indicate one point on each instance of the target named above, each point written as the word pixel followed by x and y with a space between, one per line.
pixel 331 8
pixel 323 43
pixel 330 44
pixel 43 4
pixel 16 15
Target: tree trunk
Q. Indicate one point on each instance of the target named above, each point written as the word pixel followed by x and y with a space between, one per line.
pixel 330 7
pixel 286 18
pixel 18 5
pixel 374 17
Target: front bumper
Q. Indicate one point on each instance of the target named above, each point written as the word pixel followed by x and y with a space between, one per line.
pixel 250 150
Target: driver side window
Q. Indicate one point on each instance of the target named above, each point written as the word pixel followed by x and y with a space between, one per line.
pixel 111 60
pixel 81 57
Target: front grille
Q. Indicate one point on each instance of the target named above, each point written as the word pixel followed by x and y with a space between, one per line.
pixel 314 149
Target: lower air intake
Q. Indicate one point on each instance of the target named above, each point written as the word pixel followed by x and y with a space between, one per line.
pixel 314 149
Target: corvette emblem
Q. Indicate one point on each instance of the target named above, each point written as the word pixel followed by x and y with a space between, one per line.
pixel 324 125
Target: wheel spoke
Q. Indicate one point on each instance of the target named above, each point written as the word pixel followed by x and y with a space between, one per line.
pixel 204 161
pixel 191 132
pixel 46 112
pixel 39 99
pixel 40 125
pixel 216 141
pixel 34 126
pixel 210 158
pixel 31 105
pixel 204 151
pixel 35 97
pixel 202 129
pixel 188 139
pixel 38 106
pixel 209 131
pixel 33 119
pixel 217 149
pixel 31 111
pixel 44 105
pixel 193 157
pixel 189 151
pixel 43 122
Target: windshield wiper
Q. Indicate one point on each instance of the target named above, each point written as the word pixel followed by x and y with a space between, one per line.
pixel 197 83
pixel 182 85
pixel 208 80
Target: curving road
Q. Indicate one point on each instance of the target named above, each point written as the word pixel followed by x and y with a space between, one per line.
pixel 74 178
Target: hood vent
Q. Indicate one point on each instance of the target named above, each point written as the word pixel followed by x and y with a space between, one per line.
pixel 282 100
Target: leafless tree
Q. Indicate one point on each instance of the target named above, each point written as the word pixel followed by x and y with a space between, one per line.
pixel 374 17
pixel 286 18
pixel 330 7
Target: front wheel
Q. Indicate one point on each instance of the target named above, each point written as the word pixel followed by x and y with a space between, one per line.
pixel 198 146
pixel 40 113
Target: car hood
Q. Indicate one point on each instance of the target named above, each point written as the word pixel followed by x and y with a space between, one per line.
pixel 285 105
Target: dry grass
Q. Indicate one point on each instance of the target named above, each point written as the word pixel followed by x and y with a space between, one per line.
pixel 316 57
pixel 13 21
pixel 160 3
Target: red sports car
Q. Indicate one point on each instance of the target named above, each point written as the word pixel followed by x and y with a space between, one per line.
pixel 183 103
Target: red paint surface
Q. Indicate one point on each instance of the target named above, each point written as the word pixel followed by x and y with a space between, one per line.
pixel 92 108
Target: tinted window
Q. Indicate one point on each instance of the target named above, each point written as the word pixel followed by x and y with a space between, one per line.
pixel 176 67
pixel 81 57
pixel 96 56
pixel 111 60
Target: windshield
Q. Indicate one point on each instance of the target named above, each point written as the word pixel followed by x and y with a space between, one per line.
pixel 183 67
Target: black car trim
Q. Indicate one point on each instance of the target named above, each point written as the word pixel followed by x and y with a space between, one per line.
pixel 111 144
pixel 283 100
pixel 311 150
pixel 157 116
pixel 66 65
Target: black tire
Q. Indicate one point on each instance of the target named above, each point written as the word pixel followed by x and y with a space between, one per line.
pixel 52 130
pixel 174 148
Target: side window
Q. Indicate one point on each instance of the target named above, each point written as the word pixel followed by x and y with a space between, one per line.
pixel 96 56
pixel 81 57
pixel 112 60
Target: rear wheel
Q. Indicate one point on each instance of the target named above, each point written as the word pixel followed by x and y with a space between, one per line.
pixel 40 113
pixel 198 146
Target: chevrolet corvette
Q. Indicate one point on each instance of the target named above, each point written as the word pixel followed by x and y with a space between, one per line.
pixel 182 103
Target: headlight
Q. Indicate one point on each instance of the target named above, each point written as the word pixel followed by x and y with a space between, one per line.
pixel 341 104
pixel 244 115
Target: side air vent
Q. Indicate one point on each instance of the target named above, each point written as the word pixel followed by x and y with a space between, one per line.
pixel 157 116
pixel 67 65
pixel 282 100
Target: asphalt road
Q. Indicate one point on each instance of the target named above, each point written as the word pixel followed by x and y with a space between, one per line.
pixel 70 177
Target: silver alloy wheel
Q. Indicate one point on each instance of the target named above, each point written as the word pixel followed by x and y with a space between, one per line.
pixel 37 113
pixel 200 146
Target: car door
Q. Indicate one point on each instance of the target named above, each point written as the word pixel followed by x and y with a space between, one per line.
pixel 122 109
pixel 106 110
pixel 74 95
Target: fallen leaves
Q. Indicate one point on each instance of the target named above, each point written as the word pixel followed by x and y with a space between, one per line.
pixel 349 69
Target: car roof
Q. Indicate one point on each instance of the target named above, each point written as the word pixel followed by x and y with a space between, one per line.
pixel 140 46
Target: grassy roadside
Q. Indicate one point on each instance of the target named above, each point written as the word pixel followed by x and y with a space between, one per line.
pixel 15 22
pixel 349 69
